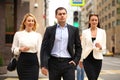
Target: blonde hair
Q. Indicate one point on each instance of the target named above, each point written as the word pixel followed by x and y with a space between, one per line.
pixel 22 26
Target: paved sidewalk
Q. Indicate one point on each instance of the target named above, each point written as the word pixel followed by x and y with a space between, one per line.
pixel 13 76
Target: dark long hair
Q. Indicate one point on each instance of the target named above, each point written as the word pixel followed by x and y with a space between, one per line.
pixel 98 20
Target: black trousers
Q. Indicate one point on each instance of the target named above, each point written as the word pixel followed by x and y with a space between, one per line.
pixel 60 68
pixel 92 67
pixel 28 66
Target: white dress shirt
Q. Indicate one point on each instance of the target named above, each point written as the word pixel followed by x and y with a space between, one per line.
pixel 31 40
pixel 61 43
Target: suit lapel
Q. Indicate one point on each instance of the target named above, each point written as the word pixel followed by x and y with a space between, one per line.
pixel 89 35
pixel 69 33
pixel 53 32
pixel 98 34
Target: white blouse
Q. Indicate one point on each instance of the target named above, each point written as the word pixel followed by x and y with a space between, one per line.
pixel 31 39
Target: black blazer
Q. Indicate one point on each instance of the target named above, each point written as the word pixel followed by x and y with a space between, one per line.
pixel 74 44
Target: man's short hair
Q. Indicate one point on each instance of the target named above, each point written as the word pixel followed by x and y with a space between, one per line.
pixel 60 8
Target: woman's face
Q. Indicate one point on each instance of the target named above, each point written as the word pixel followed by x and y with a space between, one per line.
pixel 93 21
pixel 29 22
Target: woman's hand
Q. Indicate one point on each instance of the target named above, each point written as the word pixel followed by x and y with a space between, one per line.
pixel 98 45
pixel 23 49
pixel 81 64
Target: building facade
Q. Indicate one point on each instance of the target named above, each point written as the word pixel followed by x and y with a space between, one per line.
pixel 109 13
pixel 88 8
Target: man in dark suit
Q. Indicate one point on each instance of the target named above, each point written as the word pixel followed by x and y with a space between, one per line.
pixel 61 49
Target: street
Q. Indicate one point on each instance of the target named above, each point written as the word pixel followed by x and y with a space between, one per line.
pixel 110 71
pixel 111 68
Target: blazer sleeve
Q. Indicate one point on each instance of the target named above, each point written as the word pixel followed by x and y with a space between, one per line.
pixel 104 40
pixel 83 45
pixel 44 49
pixel 78 47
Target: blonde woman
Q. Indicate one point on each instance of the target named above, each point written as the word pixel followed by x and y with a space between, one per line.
pixel 26 44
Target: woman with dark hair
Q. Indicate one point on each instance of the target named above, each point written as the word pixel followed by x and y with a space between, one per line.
pixel 93 43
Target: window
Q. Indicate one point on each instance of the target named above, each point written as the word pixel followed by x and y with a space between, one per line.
pixel 109 6
pixel 118 21
pixel 113 2
pixel 113 24
pixel 106 8
pixel 109 25
pixel 109 16
pixel 105 27
pixel 9 21
pixel 113 13
pixel 105 17
pixel 118 1
pixel 102 19
pixel 118 10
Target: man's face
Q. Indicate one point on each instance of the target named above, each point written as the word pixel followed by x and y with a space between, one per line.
pixel 61 16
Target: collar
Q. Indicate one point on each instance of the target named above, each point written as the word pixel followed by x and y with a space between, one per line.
pixel 58 25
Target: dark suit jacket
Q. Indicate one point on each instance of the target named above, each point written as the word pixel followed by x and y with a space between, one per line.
pixel 74 44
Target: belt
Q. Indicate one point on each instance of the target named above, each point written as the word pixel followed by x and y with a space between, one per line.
pixel 61 59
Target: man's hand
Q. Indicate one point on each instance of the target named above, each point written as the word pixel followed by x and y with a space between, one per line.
pixel 72 62
pixel 44 71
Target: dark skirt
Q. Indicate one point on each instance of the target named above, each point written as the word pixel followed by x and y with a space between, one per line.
pixel 92 67
pixel 28 66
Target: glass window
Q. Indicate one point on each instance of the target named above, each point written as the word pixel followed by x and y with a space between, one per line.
pixel 109 16
pixel 113 24
pixel 109 6
pixel 118 1
pixel 106 8
pixel 118 21
pixel 113 13
pixel 118 10
pixel 105 17
pixel 109 25
pixel 9 21
pixel 9 17
pixel 105 27
pixel 113 2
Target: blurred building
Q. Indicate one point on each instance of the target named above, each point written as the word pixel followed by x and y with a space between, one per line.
pixel 88 8
pixel 109 15
pixel 11 15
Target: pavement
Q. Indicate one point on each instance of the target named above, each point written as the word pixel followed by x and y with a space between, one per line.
pixel 13 75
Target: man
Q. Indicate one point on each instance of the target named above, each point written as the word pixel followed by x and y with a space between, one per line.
pixel 61 49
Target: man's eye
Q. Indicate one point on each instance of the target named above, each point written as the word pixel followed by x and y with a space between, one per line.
pixel 62 13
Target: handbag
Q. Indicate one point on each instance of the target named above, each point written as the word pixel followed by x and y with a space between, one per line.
pixel 12 64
